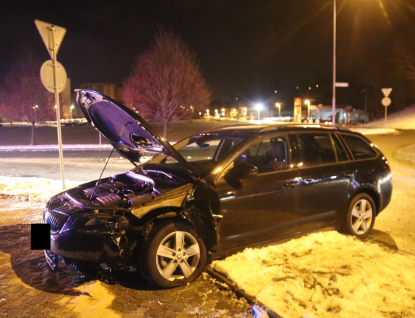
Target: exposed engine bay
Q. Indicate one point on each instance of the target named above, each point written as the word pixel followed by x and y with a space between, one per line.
pixel 114 189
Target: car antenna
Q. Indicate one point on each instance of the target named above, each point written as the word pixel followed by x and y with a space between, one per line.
pixel 102 172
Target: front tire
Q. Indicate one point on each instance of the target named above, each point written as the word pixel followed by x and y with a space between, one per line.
pixel 360 217
pixel 175 255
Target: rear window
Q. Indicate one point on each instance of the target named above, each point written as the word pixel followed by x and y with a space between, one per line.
pixel 359 147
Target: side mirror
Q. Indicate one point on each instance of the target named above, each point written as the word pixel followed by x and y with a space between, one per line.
pixel 242 171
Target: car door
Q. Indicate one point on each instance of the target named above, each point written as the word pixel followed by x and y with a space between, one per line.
pixel 324 181
pixel 260 203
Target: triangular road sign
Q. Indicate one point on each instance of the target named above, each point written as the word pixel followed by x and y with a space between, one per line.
pixel 386 91
pixel 52 42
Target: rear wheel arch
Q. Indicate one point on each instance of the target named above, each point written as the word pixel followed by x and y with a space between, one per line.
pixel 373 194
pixel 360 216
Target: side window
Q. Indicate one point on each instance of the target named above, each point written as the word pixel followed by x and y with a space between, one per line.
pixel 267 155
pixel 360 148
pixel 316 149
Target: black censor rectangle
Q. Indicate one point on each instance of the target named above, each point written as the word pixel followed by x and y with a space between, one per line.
pixel 40 236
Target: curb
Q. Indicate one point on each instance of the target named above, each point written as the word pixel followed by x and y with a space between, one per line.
pixel 241 293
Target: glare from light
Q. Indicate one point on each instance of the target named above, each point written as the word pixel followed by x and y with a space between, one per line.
pixel 259 106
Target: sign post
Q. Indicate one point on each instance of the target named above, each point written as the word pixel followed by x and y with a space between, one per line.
pixel 386 101
pixel 52 36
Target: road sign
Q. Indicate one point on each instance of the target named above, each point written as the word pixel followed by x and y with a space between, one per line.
pixel 386 91
pixel 386 101
pixel 52 73
pixel 342 84
pixel 52 36
pixel 46 75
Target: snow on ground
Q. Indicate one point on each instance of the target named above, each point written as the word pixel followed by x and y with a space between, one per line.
pixel 404 119
pixel 407 153
pixel 326 274
pixel 38 190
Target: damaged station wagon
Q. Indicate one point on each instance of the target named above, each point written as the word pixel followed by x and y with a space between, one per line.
pixel 213 193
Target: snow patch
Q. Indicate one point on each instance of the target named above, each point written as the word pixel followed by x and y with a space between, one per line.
pixel 404 119
pixel 407 153
pixel 33 189
pixel 326 275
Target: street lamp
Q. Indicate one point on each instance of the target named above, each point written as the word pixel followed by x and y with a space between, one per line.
pixel 278 105
pixel 35 109
pixel 71 109
pixel 307 102
pixel 258 107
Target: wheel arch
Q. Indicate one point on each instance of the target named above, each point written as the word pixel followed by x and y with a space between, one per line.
pixel 170 214
pixel 162 215
pixel 372 193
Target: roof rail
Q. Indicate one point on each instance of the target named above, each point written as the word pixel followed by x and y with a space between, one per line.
pixel 301 125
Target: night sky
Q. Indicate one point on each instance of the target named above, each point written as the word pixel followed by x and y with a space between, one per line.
pixel 247 49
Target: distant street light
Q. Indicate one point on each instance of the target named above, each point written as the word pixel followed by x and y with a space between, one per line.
pixel 258 107
pixel 35 109
pixel 307 102
pixel 278 105
pixel 71 109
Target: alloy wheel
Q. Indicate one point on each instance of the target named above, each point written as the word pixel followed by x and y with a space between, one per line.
pixel 362 216
pixel 177 255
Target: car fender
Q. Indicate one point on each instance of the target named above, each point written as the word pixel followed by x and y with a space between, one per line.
pixel 370 189
pixel 202 209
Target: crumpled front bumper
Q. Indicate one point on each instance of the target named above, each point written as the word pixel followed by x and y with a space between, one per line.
pixel 76 246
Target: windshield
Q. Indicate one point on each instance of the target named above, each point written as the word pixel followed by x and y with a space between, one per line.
pixel 201 151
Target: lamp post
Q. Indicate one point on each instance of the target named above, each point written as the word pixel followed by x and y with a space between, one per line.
pixel 35 109
pixel 307 102
pixel 334 63
pixel 33 141
pixel 71 109
pixel 278 105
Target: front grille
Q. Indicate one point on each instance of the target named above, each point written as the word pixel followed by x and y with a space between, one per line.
pixel 56 220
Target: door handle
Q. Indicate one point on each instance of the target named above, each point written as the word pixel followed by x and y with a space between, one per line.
pixel 290 183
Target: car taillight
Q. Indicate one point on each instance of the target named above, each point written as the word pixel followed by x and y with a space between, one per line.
pixel 389 167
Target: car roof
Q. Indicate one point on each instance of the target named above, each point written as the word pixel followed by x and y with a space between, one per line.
pixel 250 130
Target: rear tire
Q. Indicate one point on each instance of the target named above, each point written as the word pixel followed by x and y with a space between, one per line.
pixel 175 256
pixel 360 217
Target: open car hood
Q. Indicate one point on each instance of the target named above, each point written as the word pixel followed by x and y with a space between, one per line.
pixel 127 131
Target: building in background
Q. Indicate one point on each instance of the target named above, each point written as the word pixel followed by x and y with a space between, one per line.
pixel 111 90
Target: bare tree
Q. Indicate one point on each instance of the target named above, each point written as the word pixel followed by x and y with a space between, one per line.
pixel 166 83
pixel 22 95
pixel 403 62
